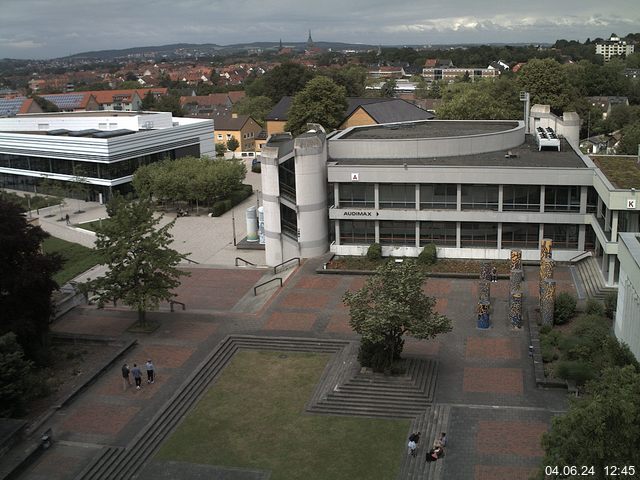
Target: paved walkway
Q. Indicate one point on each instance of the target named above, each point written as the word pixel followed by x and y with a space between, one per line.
pixel 486 376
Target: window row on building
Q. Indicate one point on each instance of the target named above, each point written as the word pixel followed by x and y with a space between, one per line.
pixel 462 234
pixel 522 198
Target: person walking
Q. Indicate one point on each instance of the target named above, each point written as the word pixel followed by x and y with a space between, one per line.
pixel 412 448
pixel 137 375
pixel 494 275
pixel 66 217
pixel 126 381
pixel 150 371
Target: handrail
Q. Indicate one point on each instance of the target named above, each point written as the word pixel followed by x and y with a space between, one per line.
pixel 285 262
pixel 190 261
pixel 581 256
pixel 247 262
pixel 255 289
pixel 172 302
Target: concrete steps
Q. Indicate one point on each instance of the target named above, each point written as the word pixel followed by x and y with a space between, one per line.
pixel 376 395
pixel 430 424
pixel 592 279
pixel 119 464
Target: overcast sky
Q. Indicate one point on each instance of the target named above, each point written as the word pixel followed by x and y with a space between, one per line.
pixel 55 28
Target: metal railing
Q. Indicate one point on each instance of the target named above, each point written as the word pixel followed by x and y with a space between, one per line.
pixel 190 261
pixel 172 302
pixel 246 262
pixel 581 256
pixel 285 262
pixel 255 289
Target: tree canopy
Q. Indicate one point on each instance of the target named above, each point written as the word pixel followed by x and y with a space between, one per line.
pixel 286 79
pixel 321 101
pixel 189 179
pixel 392 303
pixel 483 100
pixel 547 82
pixel 141 267
pixel 256 107
pixel 602 428
pixel 26 282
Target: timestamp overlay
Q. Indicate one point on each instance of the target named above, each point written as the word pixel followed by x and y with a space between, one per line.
pixel 571 471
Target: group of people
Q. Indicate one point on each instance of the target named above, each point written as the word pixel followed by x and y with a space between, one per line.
pixel 136 373
pixel 434 453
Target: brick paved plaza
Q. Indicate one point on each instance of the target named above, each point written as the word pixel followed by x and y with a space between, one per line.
pixel 485 376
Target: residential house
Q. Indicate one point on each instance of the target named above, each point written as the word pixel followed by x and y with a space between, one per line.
pixel 386 72
pixel 10 106
pixel 242 127
pixel 212 104
pixel 73 102
pixel 606 104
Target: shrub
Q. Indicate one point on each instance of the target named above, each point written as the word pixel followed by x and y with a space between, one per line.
pixel 577 371
pixel 544 329
pixel 240 194
pixel 610 304
pixel 228 205
pixel 218 208
pixel 428 255
pixel 374 252
pixel 547 350
pixel 621 354
pixel 594 307
pixel 565 308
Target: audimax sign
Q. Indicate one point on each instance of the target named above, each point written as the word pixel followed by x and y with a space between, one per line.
pixel 359 213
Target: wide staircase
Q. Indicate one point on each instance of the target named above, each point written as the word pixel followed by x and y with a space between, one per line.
pixel 430 424
pixel 591 277
pixel 365 393
pixel 117 463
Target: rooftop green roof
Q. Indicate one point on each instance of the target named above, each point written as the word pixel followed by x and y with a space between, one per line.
pixel 622 171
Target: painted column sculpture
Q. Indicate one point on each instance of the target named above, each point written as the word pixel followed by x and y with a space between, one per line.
pixel 515 309
pixel 485 271
pixel 547 301
pixel 483 315
pixel 515 281
pixel 545 248
pixel 516 259
pixel 546 271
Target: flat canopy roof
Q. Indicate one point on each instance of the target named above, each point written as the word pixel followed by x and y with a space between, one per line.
pixel 525 155
pixel 428 129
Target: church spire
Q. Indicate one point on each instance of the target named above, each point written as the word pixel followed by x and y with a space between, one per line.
pixel 309 40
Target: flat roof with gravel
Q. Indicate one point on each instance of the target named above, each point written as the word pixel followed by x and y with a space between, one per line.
pixel 429 129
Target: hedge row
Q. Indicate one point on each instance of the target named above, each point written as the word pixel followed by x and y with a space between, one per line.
pixel 235 197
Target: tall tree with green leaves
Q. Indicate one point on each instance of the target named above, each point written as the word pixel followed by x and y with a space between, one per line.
pixel 286 79
pixel 15 371
pixel 142 268
pixel 321 101
pixel 547 82
pixel 256 107
pixel 600 429
pixel 26 282
pixel 388 89
pixel 392 304
pixel 233 144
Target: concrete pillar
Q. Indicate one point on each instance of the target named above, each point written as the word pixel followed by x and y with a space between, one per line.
pixel 417 195
pixel 515 309
pixel 500 200
pixel 516 259
pixel 547 302
pixel 546 271
pixel 458 235
pixel 417 234
pixel 499 235
pixel 582 236
pixel 583 200
pixel 607 221
pixel 614 225
pixel 337 227
pixel 540 233
pixel 542 194
pixel 485 271
pixel 311 197
pixel 377 231
pixel 336 195
pixel 459 198
pixel 376 196
pixel 271 204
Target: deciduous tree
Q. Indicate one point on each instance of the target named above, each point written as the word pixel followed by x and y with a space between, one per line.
pixel 547 82
pixel 321 101
pixel 286 79
pixel 142 268
pixel 256 107
pixel 26 282
pixel 391 304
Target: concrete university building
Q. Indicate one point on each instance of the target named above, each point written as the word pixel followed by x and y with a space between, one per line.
pixel 102 148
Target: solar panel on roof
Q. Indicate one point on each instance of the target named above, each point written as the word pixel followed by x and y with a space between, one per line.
pixel 11 106
pixel 65 101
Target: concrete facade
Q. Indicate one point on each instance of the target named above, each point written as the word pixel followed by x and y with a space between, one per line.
pixel 627 322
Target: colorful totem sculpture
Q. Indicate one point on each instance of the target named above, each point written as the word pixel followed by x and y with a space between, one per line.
pixel 547 301
pixel 515 309
pixel 516 259
pixel 483 315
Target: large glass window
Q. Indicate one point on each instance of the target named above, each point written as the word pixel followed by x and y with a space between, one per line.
pixel 357 232
pixel 440 233
pixel 397 195
pixel 287 175
pixel 62 166
pixel 520 235
pixel 398 233
pixel 562 199
pixel 359 195
pixel 479 197
pixel 563 236
pixel 439 196
pixel 524 198
pixel 592 200
pixel 479 235
pixel 289 221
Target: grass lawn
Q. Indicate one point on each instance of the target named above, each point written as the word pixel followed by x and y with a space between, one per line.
pixel 77 259
pixel 253 417
pixel 623 172
pixel 93 225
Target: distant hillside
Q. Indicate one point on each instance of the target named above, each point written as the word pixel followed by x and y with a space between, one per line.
pixel 206 49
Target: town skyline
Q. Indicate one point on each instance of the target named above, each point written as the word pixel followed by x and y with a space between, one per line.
pixel 50 34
